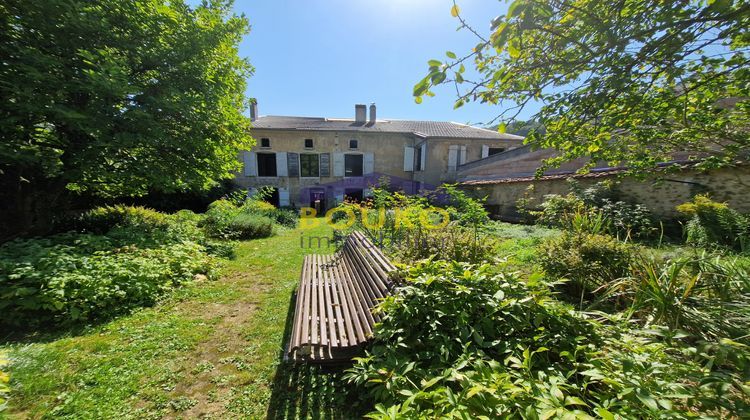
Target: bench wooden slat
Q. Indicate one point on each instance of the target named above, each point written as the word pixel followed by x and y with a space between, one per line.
pixel 364 291
pixel 381 276
pixel 343 335
pixel 375 252
pixel 320 289
pixel 333 337
pixel 314 335
pixel 305 287
pixel 357 310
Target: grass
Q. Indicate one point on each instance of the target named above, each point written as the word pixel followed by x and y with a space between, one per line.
pixel 516 244
pixel 212 349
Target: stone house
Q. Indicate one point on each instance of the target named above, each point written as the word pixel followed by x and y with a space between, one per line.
pixel 317 162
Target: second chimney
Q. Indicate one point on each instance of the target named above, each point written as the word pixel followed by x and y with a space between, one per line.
pixel 372 113
pixel 360 113
pixel 253 109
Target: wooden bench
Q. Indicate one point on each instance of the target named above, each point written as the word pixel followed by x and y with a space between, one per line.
pixel 333 313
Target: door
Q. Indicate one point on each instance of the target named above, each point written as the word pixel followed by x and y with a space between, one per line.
pixel 318 200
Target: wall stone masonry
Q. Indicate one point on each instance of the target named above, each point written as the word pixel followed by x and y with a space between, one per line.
pixel 660 193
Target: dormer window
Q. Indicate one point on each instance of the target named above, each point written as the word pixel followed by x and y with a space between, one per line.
pixel 353 144
pixel 308 143
pixel 265 143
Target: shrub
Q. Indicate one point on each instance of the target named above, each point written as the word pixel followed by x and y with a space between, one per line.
pixel 467 210
pixel 285 217
pixel 458 341
pixel 587 261
pixel 452 243
pixel 217 218
pixel 73 277
pixel 250 226
pixel 628 220
pixel 100 220
pixel 556 208
pixel 712 223
pixel 257 206
pixel 226 220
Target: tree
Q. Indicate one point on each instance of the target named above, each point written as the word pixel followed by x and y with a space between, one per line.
pixel 633 82
pixel 116 98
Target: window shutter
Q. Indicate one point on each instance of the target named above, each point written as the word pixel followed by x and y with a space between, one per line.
pixel 292 164
pixel 281 164
pixel 251 164
pixel 485 151
pixel 368 165
pixel 325 164
pixel 423 163
pixel 452 157
pixel 338 164
pixel 408 159
pixel 462 155
pixel 283 197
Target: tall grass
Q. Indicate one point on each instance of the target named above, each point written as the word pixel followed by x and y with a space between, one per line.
pixel 707 296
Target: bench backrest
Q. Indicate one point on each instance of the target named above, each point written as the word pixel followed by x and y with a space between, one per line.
pixel 368 267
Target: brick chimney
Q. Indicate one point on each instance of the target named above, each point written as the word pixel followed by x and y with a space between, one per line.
pixel 360 114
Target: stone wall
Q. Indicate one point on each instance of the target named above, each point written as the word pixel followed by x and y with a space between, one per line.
pixel 661 194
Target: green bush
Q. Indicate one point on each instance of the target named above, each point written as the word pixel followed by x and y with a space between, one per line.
pixel 285 217
pixel 587 261
pixel 72 277
pixel 712 223
pixel 628 220
pixel 452 243
pixel 217 218
pixel 102 219
pixel 226 220
pixel 250 226
pixel 557 208
pixel 458 341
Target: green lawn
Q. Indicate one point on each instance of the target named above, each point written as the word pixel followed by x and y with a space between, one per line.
pixel 212 349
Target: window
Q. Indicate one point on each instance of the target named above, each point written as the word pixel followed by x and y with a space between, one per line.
pixel 418 166
pixel 266 164
pixel 308 143
pixel 309 165
pixel 353 165
pixel 353 144
pixel 265 143
pixel 495 150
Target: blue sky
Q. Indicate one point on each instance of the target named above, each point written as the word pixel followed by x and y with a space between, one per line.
pixel 320 57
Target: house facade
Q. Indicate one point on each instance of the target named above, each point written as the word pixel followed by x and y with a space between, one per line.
pixel 317 162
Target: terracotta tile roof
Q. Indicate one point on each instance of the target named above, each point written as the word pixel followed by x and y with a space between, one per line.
pixel 593 173
pixel 424 129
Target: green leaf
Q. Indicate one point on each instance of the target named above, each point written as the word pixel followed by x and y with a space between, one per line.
pixel 451 54
pixel 516 8
pixel 455 10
